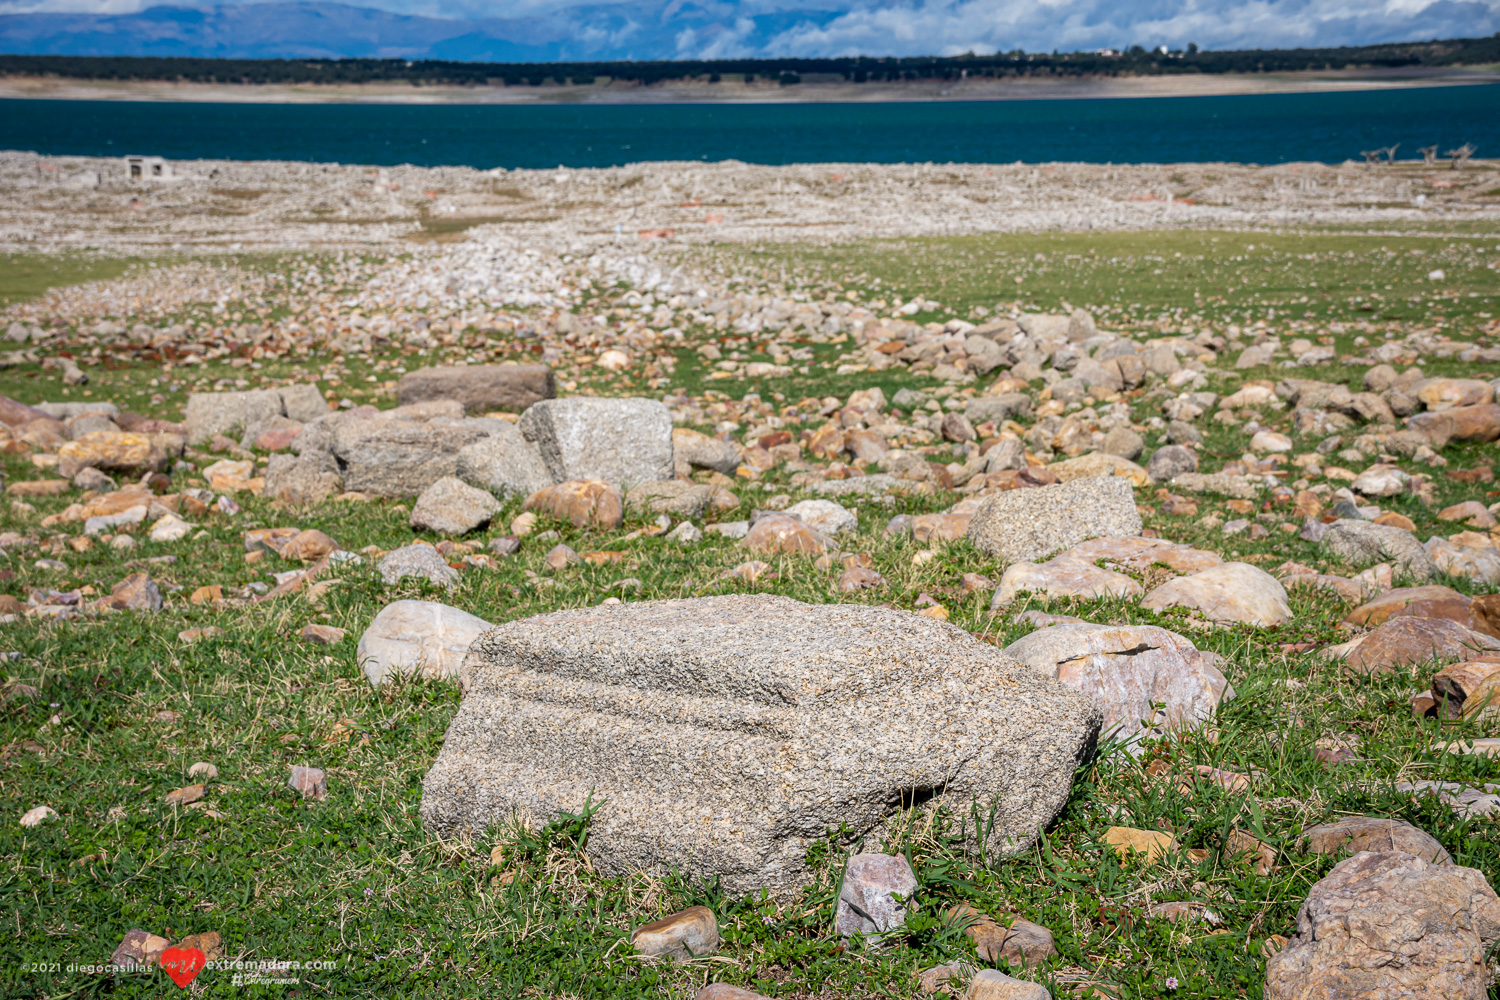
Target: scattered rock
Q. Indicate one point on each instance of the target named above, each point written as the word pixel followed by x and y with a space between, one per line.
pixel 1354 834
pixel 1129 842
pixel 308 782
pixel 990 984
pixel 420 561
pixel 322 635
pixel 1234 591
pixel 623 442
pixel 1362 543
pixel 584 503
pixel 825 516
pixel 504 463
pixel 137 592
pixel 1127 671
pixel 1062 577
pixel 874 894
pixel 1406 641
pixel 688 934
pixel 1029 525
pixel 451 506
pixel 778 532
pixel 1389 924
pixel 421 638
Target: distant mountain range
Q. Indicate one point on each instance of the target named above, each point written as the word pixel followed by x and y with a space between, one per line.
pixel 632 30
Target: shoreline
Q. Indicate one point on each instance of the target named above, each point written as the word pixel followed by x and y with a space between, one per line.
pixel 692 92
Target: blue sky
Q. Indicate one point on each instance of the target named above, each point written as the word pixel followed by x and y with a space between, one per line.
pixel 656 29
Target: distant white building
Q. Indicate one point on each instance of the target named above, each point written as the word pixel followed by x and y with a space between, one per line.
pixel 148 168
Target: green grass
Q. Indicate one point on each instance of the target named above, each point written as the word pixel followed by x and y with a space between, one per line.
pixel 25 276
pixel 355 880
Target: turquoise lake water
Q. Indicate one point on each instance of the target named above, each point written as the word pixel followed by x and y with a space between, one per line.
pixel 1251 129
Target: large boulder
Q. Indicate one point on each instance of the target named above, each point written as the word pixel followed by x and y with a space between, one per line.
pixel 505 463
pixel 400 458
pixel 1362 543
pixel 302 402
pixel 1030 524
pixel 421 638
pixel 229 413
pixel 1387 925
pixel 1127 670
pixel 624 442
pixel 1408 640
pixel 725 735
pixel 480 388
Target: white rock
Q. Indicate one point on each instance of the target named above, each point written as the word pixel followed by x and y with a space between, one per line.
pixel 170 528
pixel 417 637
pixel 825 515
pixel 685 533
pixel 1232 591
pixel 1270 441
pixel 38 816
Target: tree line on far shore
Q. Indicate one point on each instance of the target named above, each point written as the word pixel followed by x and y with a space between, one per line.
pixel 1135 61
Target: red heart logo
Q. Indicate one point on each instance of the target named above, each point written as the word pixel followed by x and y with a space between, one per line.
pixel 183 964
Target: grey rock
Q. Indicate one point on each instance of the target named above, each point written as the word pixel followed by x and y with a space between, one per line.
pixel 1364 543
pixel 421 561
pixel 873 485
pixel 229 413
pixel 479 388
pixel 624 442
pixel 1313 530
pixel 728 733
pixel 309 782
pixel 67 411
pixel 1000 408
pixel 1124 442
pixel 90 478
pixel 1389 924
pixel 1353 834
pixel 417 638
pixel 505 545
pixel 302 402
pixel 901 524
pixel 451 506
pixel 505 463
pixel 671 496
pixel 300 481
pixel 88 423
pixel 1182 432
pixel 1007 453
pixel 685 533
pixel 872 898
pixel 1171 461
pixel 1238 487
pixel 909 399
pixel 699 451
pixel 730 529
pixel 1029 525
pixel 399 458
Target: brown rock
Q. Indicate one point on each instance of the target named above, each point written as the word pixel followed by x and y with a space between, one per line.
pixel 9 605
pixel 182 796
pixel 1260 855
pixel 309 782
pixel 586 503
pixel 38 488
pixel 19 414
pixel 940 527
pixel 480 388
pixel 1376 611
pixel 560 557
pixel 1388 925
pixel 1128 841
pixel 940 977
pixel 139 947
pixel 211 593
pixel 868 446
pixel 783 533
pixel 827 441
pixel 308 546
pixel 723 991
pixel 322 635
pixel 851 581
pixel 1022 943
pixel 1405 641
pixel 112 451
pixel 1353 834
pixel 990 984
pixel 1139 554
pixel 689 934
pixel 137 592
pixel 210 943
pixel 1461 423
pixel 1447 393
pixel 1395 520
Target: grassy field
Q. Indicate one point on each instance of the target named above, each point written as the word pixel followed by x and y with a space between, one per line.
pixel 123 707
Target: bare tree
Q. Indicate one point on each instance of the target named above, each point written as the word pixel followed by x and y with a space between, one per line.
pixel 1372 156
pixel 1461 155
pixel 1429 155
